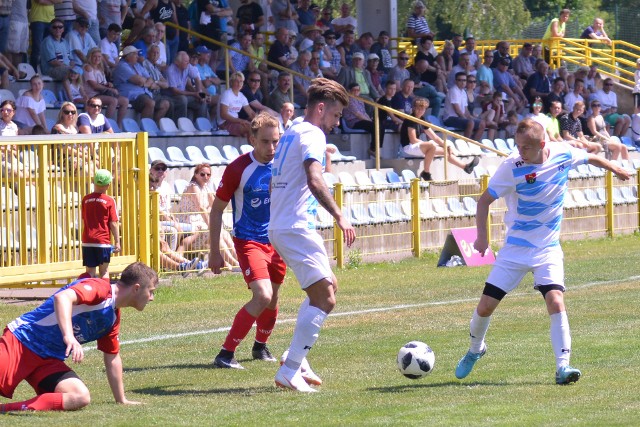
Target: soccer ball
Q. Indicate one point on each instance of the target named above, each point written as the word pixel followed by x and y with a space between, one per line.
pixel 416 359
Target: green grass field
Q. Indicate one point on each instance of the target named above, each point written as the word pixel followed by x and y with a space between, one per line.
pixel 380 308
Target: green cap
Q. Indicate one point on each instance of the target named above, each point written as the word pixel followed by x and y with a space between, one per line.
pixel 102 177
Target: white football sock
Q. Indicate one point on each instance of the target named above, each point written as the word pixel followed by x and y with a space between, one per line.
pixel 560 338
pixel 478 330
pixel 310 320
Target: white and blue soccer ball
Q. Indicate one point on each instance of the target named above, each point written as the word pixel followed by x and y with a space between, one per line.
pixel 416 359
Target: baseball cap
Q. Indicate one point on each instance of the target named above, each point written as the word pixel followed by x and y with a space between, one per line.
pixel 158 162
pixel 202 50
pixel 319 40
pixel 373 56
pixel 129 49
pixel 357 55
pixel 102 177
pixel 82 21
pixel 504 61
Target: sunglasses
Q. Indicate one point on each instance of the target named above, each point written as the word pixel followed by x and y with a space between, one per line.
pixel 537 104
pixel 461 80
pixel 255 80
pixel 98 106
pixel 595 105
pixel 69 112
pixel 160 168
pixel 57 27
pixel 202 174
pixel 471 81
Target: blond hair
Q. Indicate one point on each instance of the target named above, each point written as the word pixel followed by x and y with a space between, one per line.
pixel 263 120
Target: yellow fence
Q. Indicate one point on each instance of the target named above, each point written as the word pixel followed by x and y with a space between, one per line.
pixel 42 185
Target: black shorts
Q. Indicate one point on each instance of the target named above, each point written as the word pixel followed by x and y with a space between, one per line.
pixel 95 256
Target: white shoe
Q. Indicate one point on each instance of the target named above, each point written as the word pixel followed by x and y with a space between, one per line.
pixel 288 378
pixel 305 370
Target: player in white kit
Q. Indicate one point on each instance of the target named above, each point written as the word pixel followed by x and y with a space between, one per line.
pixel 297 187
pixel 533 182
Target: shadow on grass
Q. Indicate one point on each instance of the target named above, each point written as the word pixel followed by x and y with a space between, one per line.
pixel 191 366
pixel 176 391
pixel 418 385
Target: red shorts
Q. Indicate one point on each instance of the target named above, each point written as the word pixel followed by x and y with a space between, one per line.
pixel 18 363
pixel 259 261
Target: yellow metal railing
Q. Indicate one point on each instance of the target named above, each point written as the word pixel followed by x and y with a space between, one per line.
pixel 41 219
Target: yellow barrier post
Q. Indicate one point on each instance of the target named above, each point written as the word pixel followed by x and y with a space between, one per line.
pixel 141 175
pixel 337 232
pixel 608 179
pixel 415 216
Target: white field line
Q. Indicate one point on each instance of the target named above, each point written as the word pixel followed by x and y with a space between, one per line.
pixel 359 312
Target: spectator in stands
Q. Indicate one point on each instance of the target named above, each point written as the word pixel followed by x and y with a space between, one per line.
pixel 592 81
pixel 300 85
pixel 161 12
pixel 538 84
pixel 382 48
pixel 10 165
pixel 194 208
pixel 410 133
pixel 281 93
pixel 457 42
pixel 147 38
pixel 316 58
pixel 7 126
pixel 310 33
pixel 7 68
pixel 325 20
pixel 376 76
pixel 74 87
pixel 279 53
pixel 522 66
pixel 347 48
pixel 364 43
pixel 539 117
pixel 636 87
pixel 182 13
pixel 476 100
pixel 67 123
pixel 134 82
pixel 357 73
pixel 598 128
pixel 424 89
pixel 417 25
pixel 31 107
pixel 485 72
pixel 464 65
pixel 80 42
pixel 432 74
pixel 284 15
pixel 92 120
pixel 159 41
pixel 575 95
pixel 571 129
pixel 557 93
pixel 213 24
pixel 609 100
pixel 231 102
pixel 553 127
pixel 555 30
pixel 251 91
pixel 445 60
pixel 470 49
pixel 249 17
pixel 388 120
pixel 332 54
pixel 209 78
pixel 41 12
pixel 456 113
pixel 96 84
pixel 356 117
pixel 344 23
pixel 596 31
pixel 504 82
pixel 403 100
pixel 88 9
pixel 158 94
pixel 579 74
pixel 17 36
pixel 109 46
pixel 111 13
pixel 238 61
pixel 500 54
pixel 257 49
pixel 178 75
pixel 55 57
pixel 285 116
pixel 635 125
pixel 494 115
pixel 536 54
pixel 63 10
pixel 305 15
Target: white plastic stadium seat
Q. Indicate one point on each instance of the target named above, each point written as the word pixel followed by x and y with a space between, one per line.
pixel 176 155
pixel 156 153
pixel 394 213
pixel 347 180
pixel 215 157
pixel 246 148
pixel 27 69
pixel 195 154
pixel 6 94
pixel 337 156
pixel 186 126
pixel 203 124
pixel 230 152
pixel 363 180
pixel 149 126
pixel 180 185
pixel 329 179
pixel 168 126
pixel 130 125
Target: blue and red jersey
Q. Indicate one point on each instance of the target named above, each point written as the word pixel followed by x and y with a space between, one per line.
pixel 245 183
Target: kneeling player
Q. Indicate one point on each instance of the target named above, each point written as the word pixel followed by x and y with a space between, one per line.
pixel 34 346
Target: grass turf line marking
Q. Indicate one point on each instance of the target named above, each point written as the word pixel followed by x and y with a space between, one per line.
pixel 359 312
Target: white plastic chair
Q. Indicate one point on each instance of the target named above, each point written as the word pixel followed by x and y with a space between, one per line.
pixel 377 213
pixel 6 94
pixel 149 126
pixel 195 154
pixel 363 180
pixel 176 155
pixel 203 124
pixel 246 148
pixel 360 215
pixel 470 205
pixel 230 152
pixel 214 156
pixel 579 198
pixel 156 153
pixel 394 212
pixel 186 126
pixel 180 185
pixel 324 218
pixel 455 206
pixel 27 69
pixel 329 179
pixel 347 180
pixel 337 156
pixel 168 127
pixel 408 175
pixel 440 208
pixel 130 125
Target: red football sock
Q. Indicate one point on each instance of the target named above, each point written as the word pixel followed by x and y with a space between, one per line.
pixel 265 323
pixel 43 402
pixel 241 326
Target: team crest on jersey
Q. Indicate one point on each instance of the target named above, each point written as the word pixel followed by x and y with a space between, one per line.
pixel 530 177
pixel 88 287
pixel 247 272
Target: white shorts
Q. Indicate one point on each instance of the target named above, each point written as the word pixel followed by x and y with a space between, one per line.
pixel 413 150
pixel 303 251
pixel 513 262
pixel 18 38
